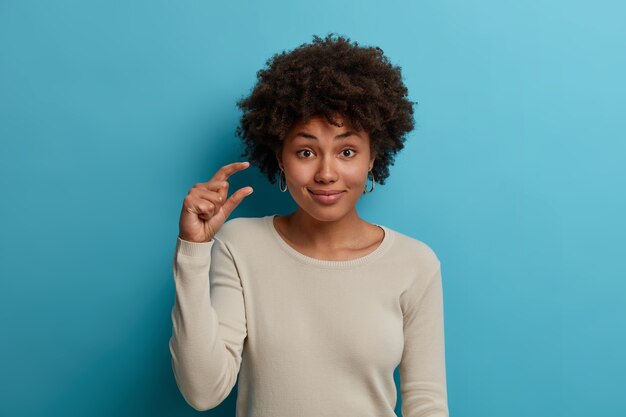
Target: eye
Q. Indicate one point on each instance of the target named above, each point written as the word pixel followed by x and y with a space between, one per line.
pixel 303 150
pixel 348 150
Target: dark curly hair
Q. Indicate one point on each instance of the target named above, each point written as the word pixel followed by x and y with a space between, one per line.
pixel 327 77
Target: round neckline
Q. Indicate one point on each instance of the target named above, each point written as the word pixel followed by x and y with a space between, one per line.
pixel 376 253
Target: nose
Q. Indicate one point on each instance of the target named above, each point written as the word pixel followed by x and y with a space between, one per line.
pixel 326 171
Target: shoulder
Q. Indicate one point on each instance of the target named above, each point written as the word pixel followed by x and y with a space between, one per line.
pixel 415 252
pixel 421 265
pixel 416 247
pixel 237 229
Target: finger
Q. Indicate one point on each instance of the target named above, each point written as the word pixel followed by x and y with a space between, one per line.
pixel 222 190
pixel 235 199
pixel 196 212
pixel 202 208
pixel 212 196
pixel 211 185
pixel 220 187
pixel 227 170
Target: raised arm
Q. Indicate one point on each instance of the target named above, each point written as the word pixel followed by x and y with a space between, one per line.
pixel 422 368
pixel 208 317
pixel 208 322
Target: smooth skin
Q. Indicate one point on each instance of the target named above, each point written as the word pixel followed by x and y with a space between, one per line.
pixel 206 208
pixel 320 155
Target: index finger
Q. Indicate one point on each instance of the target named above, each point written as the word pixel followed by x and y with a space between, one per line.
pixel 227 170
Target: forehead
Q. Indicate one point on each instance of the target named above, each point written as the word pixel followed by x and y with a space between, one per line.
pixel 320 122
pixel 319 125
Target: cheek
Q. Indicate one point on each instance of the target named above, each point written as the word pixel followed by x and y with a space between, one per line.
pixel 299 175
pixel 356 175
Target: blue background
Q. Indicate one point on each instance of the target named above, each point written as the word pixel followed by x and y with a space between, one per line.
pixel 515 175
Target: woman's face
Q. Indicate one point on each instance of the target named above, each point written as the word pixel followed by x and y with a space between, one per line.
pixel 319 157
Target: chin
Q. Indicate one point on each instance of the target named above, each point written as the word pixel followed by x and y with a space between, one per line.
pixel 325 214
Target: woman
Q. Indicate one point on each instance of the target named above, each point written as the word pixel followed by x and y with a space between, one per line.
pixel 313 310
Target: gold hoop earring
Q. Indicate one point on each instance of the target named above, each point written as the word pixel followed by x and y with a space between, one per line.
pixel 280 181
pixel 365 190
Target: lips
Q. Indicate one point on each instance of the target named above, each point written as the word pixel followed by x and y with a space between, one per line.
pixel 325 192
pixel 328 198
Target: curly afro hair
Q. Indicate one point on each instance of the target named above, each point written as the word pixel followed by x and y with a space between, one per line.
pixel 327 77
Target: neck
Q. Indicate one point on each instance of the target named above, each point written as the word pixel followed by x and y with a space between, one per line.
pixel 325 235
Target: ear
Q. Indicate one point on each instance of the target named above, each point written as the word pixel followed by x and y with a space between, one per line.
pixel 371 165
pixel 279 160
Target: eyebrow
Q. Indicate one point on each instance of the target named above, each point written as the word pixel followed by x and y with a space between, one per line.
pixel 338 137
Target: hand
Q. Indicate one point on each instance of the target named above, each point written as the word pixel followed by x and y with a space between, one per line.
pixel 205 208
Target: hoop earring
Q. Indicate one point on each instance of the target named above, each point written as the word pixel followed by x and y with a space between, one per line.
pixel 365 190
pixel 280 181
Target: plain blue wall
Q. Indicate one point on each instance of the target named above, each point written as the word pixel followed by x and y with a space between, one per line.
pixel 515 175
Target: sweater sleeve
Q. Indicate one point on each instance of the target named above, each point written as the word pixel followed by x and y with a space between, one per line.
pixel 422 367
pixel 208 322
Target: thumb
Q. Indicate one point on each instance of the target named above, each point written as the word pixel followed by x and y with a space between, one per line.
pixel 234 200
